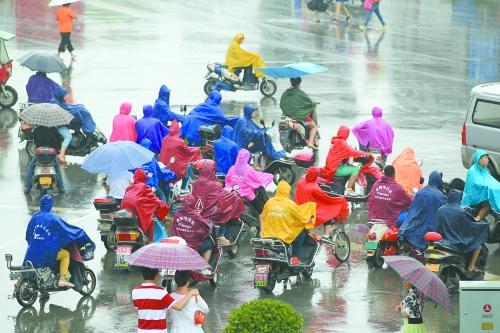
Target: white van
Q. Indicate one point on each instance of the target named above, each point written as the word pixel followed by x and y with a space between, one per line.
pixel 481 129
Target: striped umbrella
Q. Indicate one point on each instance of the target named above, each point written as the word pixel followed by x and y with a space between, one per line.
pixel 116 157
pixel 428 283
pixel 46 114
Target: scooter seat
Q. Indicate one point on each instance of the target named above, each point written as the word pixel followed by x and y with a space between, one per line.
pixel 20 268
pixel 447 247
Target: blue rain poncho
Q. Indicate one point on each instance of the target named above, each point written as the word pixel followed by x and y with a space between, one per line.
pixel 154 172
pixel 82 117
pixel 161 109
pixel 150 128
pixel 421 217
pixel 47 233
pixel 206 113
pixel 246 132
pixel 458 228
pixel 480 185
pixel 225 150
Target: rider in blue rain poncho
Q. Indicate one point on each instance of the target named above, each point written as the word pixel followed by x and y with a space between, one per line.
pixel 421 217
pixel 225 150
pixel 82 116
pixel 459 229
pixel 206 113
pixel 155 173
pixel 481 188
pixel 50 239
pixel 150 128
pixel 161 110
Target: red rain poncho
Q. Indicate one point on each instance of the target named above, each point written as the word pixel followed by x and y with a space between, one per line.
pixel 175 153
pixel 339 151
pixel 190 225
pixel 141 200
pixel 327 207
pixel 212 201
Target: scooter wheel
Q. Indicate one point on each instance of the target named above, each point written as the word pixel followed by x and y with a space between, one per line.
pixel 26 293
pixel 285 173
pixel 233 250
pixel 268 88
pixel 214 280
pixel 8 97
pixel 89 282
pixel 208 87
pixel 271 283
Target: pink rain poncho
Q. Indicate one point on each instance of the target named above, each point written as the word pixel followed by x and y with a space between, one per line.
pixel 243 175
pixel 375 133
pixel 124 125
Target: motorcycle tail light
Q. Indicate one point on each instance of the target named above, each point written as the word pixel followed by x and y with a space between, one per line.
pixel 263 253
pixel 390 251
pixel 372 236
pixel 127 236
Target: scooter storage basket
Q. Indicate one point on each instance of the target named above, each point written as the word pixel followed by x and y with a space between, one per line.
pixel 45 154
pixel 125 218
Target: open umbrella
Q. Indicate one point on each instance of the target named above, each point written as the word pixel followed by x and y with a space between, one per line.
pixel 429 284
pixel 118 156
pixel 42 62
pixel 55 3
pixel 171 253
pixel 46 114
pixel 293 70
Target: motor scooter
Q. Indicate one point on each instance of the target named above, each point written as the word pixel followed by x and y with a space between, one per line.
pixel 107 207
pixel 31 280
pixel 129 237
pixel 8 95
pixel 294 134
pixel 219 78
pixel 44 177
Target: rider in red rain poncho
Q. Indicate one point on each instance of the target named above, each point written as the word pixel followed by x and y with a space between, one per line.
pixel 141 200
pixel 327 207
pixel 340 151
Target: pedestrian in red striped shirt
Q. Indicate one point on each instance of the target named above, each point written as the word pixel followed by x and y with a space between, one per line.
pixel 152 303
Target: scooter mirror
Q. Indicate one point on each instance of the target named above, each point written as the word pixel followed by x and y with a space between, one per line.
pixel 8 257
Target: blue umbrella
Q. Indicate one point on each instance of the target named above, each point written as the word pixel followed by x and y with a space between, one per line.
pixel 293 70
pixel 118 156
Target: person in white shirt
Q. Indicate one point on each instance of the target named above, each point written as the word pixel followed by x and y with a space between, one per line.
pixel 118 182
pixel 183 320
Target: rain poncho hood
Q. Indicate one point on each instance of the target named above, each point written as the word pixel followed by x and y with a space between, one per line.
pixel 206 113
pixel 225 150
pixel 140 199
pixel 154 171
pixel 150 128
pixel 161 110
pixel 282 218
pixel 40 88
pixel 458 228
pixel 375 133
pixel 176 154
pixel 212 201
pixel 47 233
pixel 190 225
pixel 82 116
pixel 386 200
pixel 339 151
pixel 421 217
pixel 327 207
pixel 296 104
pixel 243 175
pixel 236 56
pixel 408 173
pixel 480 185
pixel 124 125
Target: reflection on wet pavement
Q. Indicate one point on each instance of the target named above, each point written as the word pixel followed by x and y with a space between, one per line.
pixel 419 72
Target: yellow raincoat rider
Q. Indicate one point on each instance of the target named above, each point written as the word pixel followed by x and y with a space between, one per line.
pixel 282 218
pixel 236 56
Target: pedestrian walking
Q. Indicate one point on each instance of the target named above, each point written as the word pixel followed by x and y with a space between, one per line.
pixel 411 309
pixel 319 6
pixel 184 321
pixel 65 16
pixel 340 5
pixel 372 6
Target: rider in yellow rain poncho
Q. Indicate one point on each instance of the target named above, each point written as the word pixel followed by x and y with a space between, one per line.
pixel 282 218
pixel 236 56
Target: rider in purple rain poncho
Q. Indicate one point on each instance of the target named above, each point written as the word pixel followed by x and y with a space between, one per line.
pixel 375 133
pixel 150 128
pixel 40 88
pixel 206 113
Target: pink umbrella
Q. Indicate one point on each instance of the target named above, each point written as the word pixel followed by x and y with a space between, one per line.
pixel 171 253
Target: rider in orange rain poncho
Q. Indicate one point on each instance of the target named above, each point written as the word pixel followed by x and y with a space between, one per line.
pixel 282 218
pixel 408 173
pixel 236 56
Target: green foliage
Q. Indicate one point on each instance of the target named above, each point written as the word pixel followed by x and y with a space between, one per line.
pixel 265 316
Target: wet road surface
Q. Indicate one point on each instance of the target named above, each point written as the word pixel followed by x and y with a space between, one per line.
pixel 420 72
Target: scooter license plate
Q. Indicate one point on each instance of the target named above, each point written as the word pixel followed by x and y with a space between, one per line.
pixel 45 181
pixel 371 245
pixel 104 226
pixel 261 273
pixel 124 250
pixel 45 170
pixel 433 267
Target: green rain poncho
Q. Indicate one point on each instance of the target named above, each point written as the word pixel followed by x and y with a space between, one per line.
pixel 297 105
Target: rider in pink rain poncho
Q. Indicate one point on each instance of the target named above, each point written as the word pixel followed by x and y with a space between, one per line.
pixel 124 125
pixel 375 133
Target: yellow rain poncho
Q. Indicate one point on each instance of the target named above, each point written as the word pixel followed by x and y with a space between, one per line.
pixel 282 218
pixel 236 56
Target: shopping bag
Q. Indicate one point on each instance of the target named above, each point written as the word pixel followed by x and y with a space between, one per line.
pixel 368 4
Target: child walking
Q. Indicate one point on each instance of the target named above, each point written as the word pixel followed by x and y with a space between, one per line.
pixel 411 309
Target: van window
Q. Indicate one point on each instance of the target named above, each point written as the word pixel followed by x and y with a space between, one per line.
pixel 487 113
